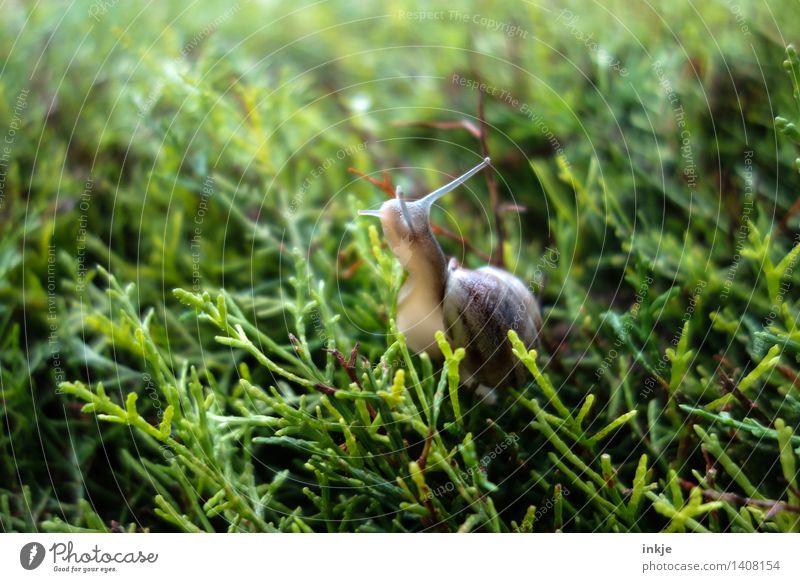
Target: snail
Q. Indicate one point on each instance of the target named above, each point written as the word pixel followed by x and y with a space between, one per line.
pixel 474 307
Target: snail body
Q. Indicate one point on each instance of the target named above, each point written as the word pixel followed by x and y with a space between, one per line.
pixel 474 307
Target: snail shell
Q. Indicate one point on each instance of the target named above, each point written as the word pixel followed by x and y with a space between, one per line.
pixel 480 306
pixel 474 307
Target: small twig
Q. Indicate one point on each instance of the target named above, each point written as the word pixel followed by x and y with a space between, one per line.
pixel 790 375
pixel 509 207
pixel 329 390
pixel 491 183
pixel 711 472
pixel 793 209
pixel 772 505
pixel 498 209
pixel 684 445
pixel 434 519
pixel 350 270
pixel 711 475
pixel 455 124
pixel 348 365
pixel 725 362
pixel 298 349
pixel 730 387
pixel 385 184
pixel 423 458
pixel 351 363
pixel 296 345
pixel 465 243
pixel 336 354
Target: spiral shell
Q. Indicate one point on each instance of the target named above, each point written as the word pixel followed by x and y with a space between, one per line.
pixel 480 306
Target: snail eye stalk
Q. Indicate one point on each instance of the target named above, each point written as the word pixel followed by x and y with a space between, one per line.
pixel 438 193
pixel 428 200
pixel 404 208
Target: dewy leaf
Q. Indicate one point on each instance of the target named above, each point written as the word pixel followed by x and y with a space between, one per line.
pixel 452 362
pixel 680 357
pixel 617 422
pixel 767 364
pixel 529 359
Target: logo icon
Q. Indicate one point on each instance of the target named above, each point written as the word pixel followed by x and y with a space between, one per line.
pixel 31 555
